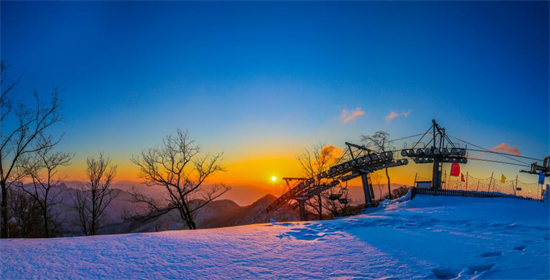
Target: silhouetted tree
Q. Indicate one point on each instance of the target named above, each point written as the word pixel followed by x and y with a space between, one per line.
pixel 25 215
pixel 314 161
pixel 93 197
pixel 376 179
pixel 27 125
pixel 380 142
pixel 179 168
pixel 42 168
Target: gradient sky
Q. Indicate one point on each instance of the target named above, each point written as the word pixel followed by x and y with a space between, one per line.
pixel 260 81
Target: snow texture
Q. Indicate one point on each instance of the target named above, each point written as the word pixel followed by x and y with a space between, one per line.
pixel 429 237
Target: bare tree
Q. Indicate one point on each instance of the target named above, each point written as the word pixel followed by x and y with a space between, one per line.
pixel 26 125
pixel 313 162
pixel 42 168
pixel 376 179
pixel 380 142
pixel 93 197
pixel 80 206
pixel 179 168
pixel 25 215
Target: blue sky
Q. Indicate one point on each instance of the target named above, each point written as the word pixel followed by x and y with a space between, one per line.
pixel 265 79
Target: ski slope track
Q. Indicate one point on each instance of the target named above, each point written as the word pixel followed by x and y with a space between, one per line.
pixel 428 237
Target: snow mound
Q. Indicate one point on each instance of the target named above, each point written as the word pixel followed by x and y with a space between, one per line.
pixel 428 237
pixel 387 202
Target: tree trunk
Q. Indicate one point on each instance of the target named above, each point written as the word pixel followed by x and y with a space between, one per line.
pixel 188 217
pixel 389 183
pixel 189 221
pixel 320 207
pixel 4 233
pixel 46 229
pixel 93 228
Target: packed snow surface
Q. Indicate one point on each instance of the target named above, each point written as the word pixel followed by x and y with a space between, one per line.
pixel 427 237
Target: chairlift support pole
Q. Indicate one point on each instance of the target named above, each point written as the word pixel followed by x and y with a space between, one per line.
pixel 437 166
pixel 437 153
pixel 368 190
pixel 516 185
pixel 302 205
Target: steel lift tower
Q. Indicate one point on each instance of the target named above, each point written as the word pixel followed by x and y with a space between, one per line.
pixel 360 165
pixel 440 149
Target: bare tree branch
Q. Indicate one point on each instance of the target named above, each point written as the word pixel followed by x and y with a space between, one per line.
pixel 42 167
pixel 379 141
pixel 93 197
pixel 314 161
pixel 28 124
pixel 178 167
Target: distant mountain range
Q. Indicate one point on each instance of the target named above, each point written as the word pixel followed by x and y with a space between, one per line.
pixel 218 213
pixel 241 195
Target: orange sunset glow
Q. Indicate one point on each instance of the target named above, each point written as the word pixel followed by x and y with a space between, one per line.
pixel 274 140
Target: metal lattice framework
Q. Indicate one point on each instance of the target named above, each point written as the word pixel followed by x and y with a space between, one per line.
pixel 439 150
pixel 306 188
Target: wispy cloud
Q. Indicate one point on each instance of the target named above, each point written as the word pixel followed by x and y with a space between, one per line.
pixel 505 148
pixel 394 115
pixel 348 116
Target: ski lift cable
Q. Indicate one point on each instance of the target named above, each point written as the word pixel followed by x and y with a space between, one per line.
pixel 429 142
pixel 498 161
pixel 500 153
pixel 448 139
pixel 487 149
pixel 403 138
pixel 414 146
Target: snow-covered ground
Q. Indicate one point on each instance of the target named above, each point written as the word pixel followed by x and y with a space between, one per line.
pixel 427 237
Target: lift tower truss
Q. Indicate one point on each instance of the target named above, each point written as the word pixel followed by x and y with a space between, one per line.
pixel 361 164
pixel 440 149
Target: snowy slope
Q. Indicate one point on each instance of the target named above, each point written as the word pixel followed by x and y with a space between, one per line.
pixel 427 237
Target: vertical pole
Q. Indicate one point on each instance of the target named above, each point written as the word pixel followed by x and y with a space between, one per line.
pixel 371 189
pixel 302 204
pixel 491 181
pixel 436 176
pixel 442 137
pixel 366 190
pixel 466 180
pixel 415 175
pixel 516 186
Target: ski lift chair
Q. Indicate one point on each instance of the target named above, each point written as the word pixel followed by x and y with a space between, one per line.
pixel 335 195
pixel 343 191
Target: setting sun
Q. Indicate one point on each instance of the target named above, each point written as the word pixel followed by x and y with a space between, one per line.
pixel 240 139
